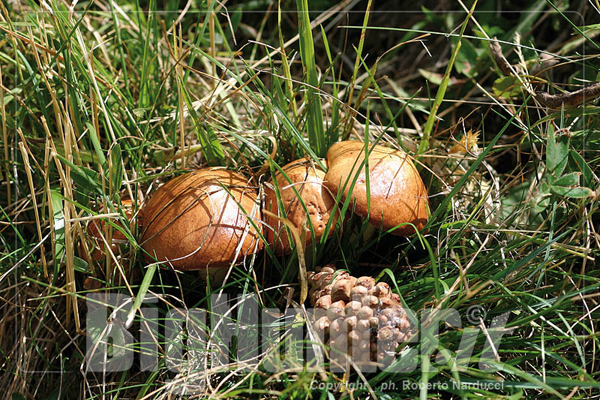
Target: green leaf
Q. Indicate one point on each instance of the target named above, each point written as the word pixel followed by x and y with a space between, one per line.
pixel 432 77
pixel 80 265
pixel 540 203
pixel 588 175
pixel 215 145
pixel 557 154
pixel 507 86
pixel 84 178
pixel 235 18
pixel 573 192
pixel 112 332
pixel 116 172
pixel 570 179
pixel 514 199
pixel 467 59
pixel 568 186
pixel 7 99
pixel 143 290
pixel 277 86
pixel 96 143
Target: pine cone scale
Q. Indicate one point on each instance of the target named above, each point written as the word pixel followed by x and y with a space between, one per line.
pixel 357 316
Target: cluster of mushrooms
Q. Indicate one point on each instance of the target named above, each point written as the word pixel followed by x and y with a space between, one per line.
pixel 210 219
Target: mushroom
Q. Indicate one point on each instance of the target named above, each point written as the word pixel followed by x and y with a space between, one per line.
pixel 397 193
pixel 200 221
pixel 303 185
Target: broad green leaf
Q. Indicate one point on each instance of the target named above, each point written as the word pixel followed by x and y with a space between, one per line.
pixel 81 265
pixel 514 199
pixel 432 77
pixel 85 178
pixel 235 19
pixel 573 192
pixel 467 59
pixel 7 99
pixel 110 332
pixel 541 201
pixel 507 86
pixel 570 179
pixel 557 154
pixel 215 144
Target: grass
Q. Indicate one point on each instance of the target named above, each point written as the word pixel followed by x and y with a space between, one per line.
pixel 109 100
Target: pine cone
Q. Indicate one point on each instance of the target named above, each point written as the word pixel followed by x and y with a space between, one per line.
pixel 357 316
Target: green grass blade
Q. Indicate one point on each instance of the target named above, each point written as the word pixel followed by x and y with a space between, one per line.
pixel 441 93
pixel 314 112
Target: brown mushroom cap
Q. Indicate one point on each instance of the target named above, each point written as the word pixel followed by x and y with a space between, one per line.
pixel 194 223
pixel 307 179
pixel 397 192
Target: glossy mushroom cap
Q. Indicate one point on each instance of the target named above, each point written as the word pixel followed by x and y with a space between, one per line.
pixel 397 192
pixel 194 223
pixel 307 178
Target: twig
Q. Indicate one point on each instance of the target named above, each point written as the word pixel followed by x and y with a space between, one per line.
pixel 499 59
pixel 554 101
pixel 569 99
